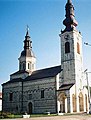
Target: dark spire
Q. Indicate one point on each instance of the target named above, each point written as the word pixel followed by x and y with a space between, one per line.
pixel 69 21
pixel 27 45
pixel 69 1
pixel 27 41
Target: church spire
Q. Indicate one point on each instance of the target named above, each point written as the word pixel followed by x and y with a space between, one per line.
pixel 27 52
pixel 69 1
pixel 69 21
pixel 27 58
pixel 27 41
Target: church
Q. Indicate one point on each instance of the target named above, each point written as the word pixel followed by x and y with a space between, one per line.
pixel 58 89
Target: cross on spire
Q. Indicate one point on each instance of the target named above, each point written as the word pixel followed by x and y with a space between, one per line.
pixel 27 28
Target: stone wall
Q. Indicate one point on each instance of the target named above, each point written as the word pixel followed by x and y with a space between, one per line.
pixel 14 105
pixel 28 92
pixel 34 88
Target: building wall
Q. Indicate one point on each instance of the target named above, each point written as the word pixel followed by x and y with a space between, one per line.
pixel 25 60
pixel 71 62
pixel 77 102
pixel 67 59
pixel 15 104
pixel 0 104
pixel 72 65
pixel 40 105
pixel 22 75
pixel 30 92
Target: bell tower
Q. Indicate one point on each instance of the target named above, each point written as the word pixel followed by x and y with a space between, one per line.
pixel 27 59
pixel 71 49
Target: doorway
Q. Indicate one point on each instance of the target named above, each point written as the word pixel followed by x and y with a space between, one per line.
pixel 81 104
pixel 62 103
pixel 30 108
pixel 74 102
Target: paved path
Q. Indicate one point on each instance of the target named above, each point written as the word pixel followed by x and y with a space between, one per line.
pixel 71 117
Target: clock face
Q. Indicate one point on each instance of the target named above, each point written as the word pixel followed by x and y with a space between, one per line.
pixel 67 37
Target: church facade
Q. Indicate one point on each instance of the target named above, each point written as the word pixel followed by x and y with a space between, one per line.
pixel 58 89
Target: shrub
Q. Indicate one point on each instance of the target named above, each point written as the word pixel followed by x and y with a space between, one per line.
pixel 6 115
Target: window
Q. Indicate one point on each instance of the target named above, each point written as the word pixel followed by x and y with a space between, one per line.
pixel 74 102
pixel 78 48
pixel 30 96
pixel 11 96
pixel 42 93
pixel 67 47
pixel 28 66
pixel 23 66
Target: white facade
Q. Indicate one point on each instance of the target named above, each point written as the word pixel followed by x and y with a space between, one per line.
pixel 0 104
pixel 71 62
pixel 72 95
pixel 28 62
pixel 0 101
pixel 75 98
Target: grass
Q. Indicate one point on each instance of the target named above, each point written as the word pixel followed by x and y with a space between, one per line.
pixel 42 115
pixel 10 116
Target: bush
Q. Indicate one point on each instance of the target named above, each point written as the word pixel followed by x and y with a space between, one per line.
pixel 6 115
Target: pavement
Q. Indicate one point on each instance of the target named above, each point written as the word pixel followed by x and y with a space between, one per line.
pixel 69 117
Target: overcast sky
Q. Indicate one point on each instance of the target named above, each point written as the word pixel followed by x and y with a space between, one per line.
pixel 44 17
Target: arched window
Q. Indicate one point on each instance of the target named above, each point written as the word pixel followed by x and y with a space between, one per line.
pixel 74 102
pixel 67 47
pixel 42 93
pixel 23 66
pixel 81 102
pixel 28 66
pixel 11 96
pixel 86 102
pixel 78 48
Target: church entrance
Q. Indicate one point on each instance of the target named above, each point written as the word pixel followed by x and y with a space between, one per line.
pixel 62 103
pixel 81 105
pixel 74 102
pixel 30 108
pixel 86 102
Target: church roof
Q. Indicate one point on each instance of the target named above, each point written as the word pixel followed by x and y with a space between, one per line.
pixel 27 53
pixel 65 86
pixel 38 74
pixel 13 80
pixel 19 72
pixel 45 73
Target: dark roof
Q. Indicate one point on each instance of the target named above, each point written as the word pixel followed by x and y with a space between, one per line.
pixel 45 73
pixel 27 53
pixel 65 87
pixel 38 74
pixel 13 80
pixel 19 72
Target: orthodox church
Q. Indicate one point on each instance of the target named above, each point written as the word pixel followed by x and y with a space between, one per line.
pixel 58 89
